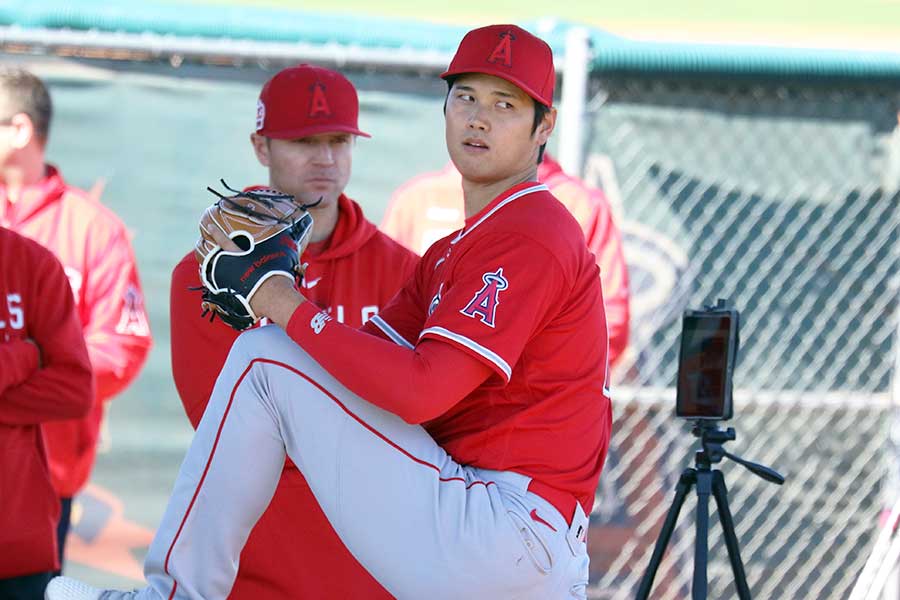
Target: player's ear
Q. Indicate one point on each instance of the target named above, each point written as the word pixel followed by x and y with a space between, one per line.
pixel 545 128
pixel 23 131
pixel 260 148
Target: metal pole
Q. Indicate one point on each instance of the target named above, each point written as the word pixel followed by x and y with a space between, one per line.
pixel 573 100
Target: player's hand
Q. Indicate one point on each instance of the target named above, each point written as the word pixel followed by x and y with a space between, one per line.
pixel 277 299
pixel 226 243
pixel 223 241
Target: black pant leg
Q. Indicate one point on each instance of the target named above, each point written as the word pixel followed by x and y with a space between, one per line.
pixel 25 587
pixel 62 528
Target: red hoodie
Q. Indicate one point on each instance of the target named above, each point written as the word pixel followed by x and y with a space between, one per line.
pixel 94 247
pixel 36 386
pixel 293 552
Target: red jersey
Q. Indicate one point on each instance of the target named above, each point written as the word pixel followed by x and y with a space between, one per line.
pixel 36 386
pixel 430 206
pixel 293 551
pixel 518 289
pixel 94 247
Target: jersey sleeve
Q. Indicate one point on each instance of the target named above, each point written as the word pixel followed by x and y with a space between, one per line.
pixel 604 241
pixel 116 328
pixel 61 388
pixel 402 318
pixel 498 295
pixel 20 359
pixel 387 375
pixel 199 348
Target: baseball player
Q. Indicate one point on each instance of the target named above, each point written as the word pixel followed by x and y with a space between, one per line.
pixel 456 441
pixel 429 206
pixel 94 247
pixel 45 376
pixel 306 123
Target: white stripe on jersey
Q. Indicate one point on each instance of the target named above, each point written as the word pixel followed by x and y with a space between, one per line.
pixel 478 348
pixel 390 332
pixel 535 188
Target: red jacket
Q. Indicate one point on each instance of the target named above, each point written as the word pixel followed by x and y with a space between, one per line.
pixel 36 386
pixel 430 206
pixel 293 552
pixel 94 248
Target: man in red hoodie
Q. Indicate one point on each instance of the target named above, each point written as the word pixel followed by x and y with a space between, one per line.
pixel 45 376
pixel 306 127
pixel 95 249
pixel 429 206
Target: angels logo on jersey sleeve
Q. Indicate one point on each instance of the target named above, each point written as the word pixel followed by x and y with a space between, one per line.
pixel 484 303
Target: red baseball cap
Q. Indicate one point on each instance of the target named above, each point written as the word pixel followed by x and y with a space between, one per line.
pixel 306 100
pixel 511 53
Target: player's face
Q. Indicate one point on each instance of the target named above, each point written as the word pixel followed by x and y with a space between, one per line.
pixel 488 129
pixel 310 168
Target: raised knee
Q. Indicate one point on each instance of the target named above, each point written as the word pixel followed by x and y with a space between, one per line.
pixel 266 342
pixel 256 342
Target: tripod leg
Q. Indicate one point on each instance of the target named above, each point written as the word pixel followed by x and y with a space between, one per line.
pixel 685 481
pixel 734 553
pixel 701 549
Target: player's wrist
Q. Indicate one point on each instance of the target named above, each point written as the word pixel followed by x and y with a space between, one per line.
pixel 276 299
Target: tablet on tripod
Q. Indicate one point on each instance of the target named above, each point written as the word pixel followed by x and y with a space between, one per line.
pixel 709 347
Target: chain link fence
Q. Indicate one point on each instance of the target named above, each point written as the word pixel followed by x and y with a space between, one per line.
pixel 782 198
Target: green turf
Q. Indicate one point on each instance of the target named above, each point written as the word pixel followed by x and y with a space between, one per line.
pixel 807 15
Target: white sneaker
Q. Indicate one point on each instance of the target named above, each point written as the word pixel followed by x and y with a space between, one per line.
pixel 66 588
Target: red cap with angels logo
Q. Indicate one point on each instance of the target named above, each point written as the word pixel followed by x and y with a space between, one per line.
pixel 305 100
pixel 511 53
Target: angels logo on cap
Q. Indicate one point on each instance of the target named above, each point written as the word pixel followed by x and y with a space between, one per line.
pixel 503 52
pixel 318 104
pixel 511 53
pixel 306 100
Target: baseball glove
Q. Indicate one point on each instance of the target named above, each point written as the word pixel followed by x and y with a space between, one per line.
pixel 269 229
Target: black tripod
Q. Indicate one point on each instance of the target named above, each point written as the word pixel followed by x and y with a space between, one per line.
pixel 708 481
